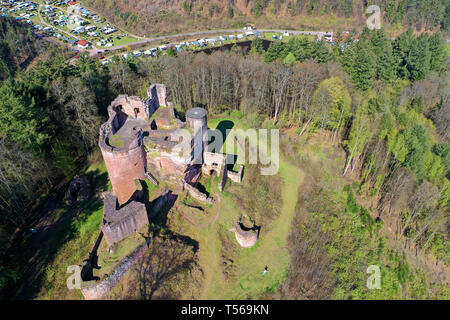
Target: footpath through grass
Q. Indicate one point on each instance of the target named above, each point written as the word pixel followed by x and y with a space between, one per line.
pixel 271 249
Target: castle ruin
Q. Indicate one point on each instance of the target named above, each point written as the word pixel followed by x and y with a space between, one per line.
pixel 138 142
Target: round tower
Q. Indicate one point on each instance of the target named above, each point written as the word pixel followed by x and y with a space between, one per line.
pixel 196 120
pixel 125 158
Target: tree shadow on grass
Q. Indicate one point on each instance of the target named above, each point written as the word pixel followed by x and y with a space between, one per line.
pixel 38 252
pixel 223 129
pixel 158 219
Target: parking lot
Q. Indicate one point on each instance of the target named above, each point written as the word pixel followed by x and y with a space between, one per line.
pixel 66 21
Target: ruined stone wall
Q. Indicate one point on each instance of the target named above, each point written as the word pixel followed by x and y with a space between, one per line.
pixel 236 176
pixel 132 106
pixel 246 239
pixel 100 290
pixel 157 96
pixel 167 163
pixel 125 227
pixel 215 162
pixel 196 194
pixel 119 223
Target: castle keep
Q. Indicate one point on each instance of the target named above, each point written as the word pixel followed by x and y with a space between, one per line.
pixel 140 141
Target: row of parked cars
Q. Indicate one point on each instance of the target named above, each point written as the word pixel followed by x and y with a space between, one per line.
pixel 179 47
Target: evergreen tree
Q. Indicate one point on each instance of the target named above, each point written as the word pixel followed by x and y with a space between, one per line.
pixel 437 51
pixel 379 41
pixel 400 49
pixel 359 62
pixel 22 120
pixel 418 59
pixel 257 47
pixel 275 51
pixel 385 67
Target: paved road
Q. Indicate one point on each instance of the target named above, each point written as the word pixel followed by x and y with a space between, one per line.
pixel 319 34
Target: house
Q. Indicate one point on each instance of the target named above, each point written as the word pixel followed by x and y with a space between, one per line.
pixel 72 3
pixel 82 44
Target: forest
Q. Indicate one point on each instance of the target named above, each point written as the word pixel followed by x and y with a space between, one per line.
pixel 162 17
pixel 384 101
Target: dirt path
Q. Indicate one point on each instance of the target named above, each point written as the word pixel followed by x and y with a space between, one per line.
pixel 271 249
pixel 218 200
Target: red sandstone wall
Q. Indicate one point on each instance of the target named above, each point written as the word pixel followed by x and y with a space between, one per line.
pixel 100 290
pixel 129 104
pixel 123 168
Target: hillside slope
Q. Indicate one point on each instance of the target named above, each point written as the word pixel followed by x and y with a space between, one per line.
pixel 172 16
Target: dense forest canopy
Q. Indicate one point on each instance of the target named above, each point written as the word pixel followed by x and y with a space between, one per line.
pixel 18 47
pixel 385 101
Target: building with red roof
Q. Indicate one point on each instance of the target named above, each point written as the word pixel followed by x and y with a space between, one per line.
pixel 83 44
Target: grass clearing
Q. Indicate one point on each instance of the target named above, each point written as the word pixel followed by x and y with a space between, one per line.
pixel 271 250
pixel 65 240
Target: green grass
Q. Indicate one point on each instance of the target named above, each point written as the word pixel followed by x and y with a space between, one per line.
pixel 151 189
pixel 115 141
pixel 70 242
pixel 109 261
pixel 123 41
pixel 271 249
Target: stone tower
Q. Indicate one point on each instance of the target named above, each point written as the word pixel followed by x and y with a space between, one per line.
pixel 196 120
pixel 121 144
